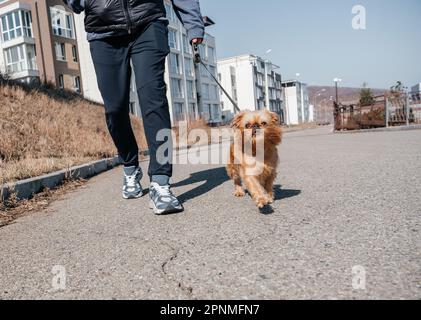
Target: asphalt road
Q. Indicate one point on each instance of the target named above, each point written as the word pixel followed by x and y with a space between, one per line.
pixel 345 204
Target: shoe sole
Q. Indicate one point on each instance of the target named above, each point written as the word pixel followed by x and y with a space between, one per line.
pixel 163 212
pixel 129 197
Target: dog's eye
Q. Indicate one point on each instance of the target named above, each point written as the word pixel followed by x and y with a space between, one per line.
pixel 248 125
pixel 264 124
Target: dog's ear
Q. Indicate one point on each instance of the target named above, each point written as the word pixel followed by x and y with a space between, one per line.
pixel 237 120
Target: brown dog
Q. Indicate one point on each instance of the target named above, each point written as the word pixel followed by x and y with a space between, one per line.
pixel 258 184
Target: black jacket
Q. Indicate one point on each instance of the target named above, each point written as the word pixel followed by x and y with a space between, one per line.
pixel 115 15
pixel 108 15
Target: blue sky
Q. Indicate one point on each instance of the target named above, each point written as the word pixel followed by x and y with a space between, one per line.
pixel 315 38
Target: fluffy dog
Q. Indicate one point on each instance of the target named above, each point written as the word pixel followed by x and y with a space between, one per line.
pixel 255 126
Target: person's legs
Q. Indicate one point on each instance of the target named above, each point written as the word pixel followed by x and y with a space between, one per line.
pixel 148 53
pixel 111 58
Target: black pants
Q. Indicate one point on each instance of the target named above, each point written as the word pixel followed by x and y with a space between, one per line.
pixel 147 49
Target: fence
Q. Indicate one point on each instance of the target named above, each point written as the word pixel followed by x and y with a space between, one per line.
pixel 392 109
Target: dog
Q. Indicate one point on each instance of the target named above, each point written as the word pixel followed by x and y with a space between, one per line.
pixel 259 184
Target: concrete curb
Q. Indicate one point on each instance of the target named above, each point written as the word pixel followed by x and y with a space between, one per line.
pixel 389 129
pixel 25 189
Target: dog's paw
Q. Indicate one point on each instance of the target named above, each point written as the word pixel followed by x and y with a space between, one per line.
pixel 271 197
pixel 239 193
pixel 262 201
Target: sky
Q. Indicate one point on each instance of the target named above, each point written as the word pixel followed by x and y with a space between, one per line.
pixel 315 38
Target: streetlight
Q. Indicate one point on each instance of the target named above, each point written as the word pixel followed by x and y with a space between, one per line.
pixel 337 80
pixel 317 94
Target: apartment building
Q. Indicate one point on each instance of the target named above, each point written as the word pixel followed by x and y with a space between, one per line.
pixel 191 92
pixel 296 102
pixel 252 82
pixel 38 43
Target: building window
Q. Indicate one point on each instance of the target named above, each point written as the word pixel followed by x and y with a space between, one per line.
pixel 202 51
pixel 188 66
pixel 212 70
pixel 178 111
pixel 190 89
pixel 174 63
pixel 170 12
pixel 213 93
pixel 20 58
pixel 74 53
pixel 16 24
pixel 176 88
pixel 76 84
pixel 215 111
pixel 192 111
pixel 186 45
pixel 172 39
pixel 203 72
pixel 205 91
pixel 60 51
pixel 61 81
pixel 211 55
pixel 62 23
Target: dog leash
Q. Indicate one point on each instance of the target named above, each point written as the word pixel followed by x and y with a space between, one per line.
pixel 198 60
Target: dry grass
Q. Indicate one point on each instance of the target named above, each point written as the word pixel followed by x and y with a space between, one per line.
pixel 14 208
pixel 43 130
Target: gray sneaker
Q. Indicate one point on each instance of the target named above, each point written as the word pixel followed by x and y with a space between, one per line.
pixel 131 185
pixel 162 200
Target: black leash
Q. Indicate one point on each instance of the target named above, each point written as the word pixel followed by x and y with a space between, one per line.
pixel 198 60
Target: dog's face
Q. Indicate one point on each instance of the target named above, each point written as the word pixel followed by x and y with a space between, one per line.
pixel 255 121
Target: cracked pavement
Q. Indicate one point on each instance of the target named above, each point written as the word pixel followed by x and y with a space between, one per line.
pixel 343 200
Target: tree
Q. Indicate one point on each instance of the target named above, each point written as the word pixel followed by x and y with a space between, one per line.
pixel 366 96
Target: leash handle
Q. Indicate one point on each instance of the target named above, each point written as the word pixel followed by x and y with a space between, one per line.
pixel 196 53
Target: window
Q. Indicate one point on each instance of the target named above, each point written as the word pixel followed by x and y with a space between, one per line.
pixel 170 11
pixel 61 81
pixel 20 58
pixel 76 83
pixel 60 51
pixel 203 72
pixel 176 88
pixel 190 89
pixel 213 93
pixel 212 70
pixel 174 63
pixel 74 53
pixel 188 66
pixel 205 91
pixel 202 51
pixel 172 39
pixel 62 23
pixel 178 111
pixel 215 111
pixel 211 54
pixel 16 24
pixel 15 59
pixel 192 111
pixel 186 45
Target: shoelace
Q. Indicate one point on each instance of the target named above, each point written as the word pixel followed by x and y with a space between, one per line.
pixel 163 191
pixel 131 180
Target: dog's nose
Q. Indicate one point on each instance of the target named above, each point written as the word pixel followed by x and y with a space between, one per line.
pixel 256 126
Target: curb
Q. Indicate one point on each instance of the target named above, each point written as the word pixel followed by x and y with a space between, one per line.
pixel 25 189
pixel 388 129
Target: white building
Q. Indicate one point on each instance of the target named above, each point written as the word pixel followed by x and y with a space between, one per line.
pixel 185 81
pixel 252 82
pixel 416 92
pixel 296 102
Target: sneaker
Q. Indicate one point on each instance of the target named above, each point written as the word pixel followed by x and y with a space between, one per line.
pixel 162 200
pixel 131 186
